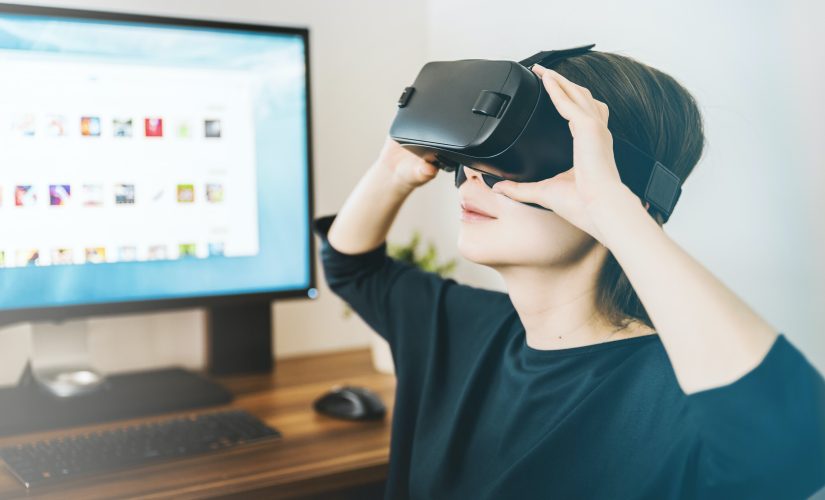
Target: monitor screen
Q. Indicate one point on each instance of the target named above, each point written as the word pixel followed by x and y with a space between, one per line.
pixel 145 160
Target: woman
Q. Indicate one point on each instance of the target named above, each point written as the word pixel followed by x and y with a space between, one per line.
pixel 615 366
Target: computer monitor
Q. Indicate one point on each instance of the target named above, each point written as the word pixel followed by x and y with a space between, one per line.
pixel 151 162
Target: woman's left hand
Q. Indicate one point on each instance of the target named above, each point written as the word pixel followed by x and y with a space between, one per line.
pixel 594 176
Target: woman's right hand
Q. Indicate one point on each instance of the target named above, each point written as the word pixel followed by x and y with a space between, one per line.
pixel 408 171
pixel 368 212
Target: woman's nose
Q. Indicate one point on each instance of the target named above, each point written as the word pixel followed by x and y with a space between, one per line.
pixel 469 172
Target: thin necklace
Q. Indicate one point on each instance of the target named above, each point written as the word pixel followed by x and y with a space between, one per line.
pixel 611 334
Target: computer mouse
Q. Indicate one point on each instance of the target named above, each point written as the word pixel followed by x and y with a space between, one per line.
pixel 351 403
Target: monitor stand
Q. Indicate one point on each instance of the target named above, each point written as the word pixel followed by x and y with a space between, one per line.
pixel 59 388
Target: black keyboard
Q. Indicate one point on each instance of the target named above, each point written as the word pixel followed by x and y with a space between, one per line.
pixel 50 460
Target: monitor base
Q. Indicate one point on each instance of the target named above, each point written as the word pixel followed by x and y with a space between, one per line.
pixel 68 381
pixel 29 407
pixel 60 359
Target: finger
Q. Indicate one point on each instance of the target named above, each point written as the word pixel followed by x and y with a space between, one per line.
pixel 579 94
pixel 427 170
pixel 557 94
pixel 574 112
pixel 576 92
pixel 554 193
pixel 564 105
pixel 603 110
pixel 520 191
pixel 563 81
pixel 539 69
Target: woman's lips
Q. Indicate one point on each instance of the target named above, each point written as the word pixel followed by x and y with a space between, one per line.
pixel 470 213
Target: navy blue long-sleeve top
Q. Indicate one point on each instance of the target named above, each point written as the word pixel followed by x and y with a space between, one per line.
pixel 479 414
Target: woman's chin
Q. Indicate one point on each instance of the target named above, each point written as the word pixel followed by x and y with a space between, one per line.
pixel 474 250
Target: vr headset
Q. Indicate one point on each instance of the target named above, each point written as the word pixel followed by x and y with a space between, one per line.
pixel 497 118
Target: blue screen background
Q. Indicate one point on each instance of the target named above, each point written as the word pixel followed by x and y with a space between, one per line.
pixel 280 102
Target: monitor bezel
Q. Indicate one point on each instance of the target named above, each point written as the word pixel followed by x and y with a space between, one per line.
pixel 75 311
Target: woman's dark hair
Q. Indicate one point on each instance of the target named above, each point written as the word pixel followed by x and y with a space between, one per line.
pixel 655 113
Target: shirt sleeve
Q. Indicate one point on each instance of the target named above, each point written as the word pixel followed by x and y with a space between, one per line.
pixel 763 435
pixel 418 312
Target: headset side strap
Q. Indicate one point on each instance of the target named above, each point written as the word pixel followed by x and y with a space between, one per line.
pixel 648 178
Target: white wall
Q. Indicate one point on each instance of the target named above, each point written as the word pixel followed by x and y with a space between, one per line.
pixel 751 211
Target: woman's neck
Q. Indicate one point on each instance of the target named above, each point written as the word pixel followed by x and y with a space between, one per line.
pixel 557 305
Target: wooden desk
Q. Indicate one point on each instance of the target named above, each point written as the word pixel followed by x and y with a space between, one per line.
pixel 316 455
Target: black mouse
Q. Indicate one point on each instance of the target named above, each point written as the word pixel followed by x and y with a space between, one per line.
pixel 351 403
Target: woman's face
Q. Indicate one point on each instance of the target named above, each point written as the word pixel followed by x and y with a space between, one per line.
pixel 515 233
